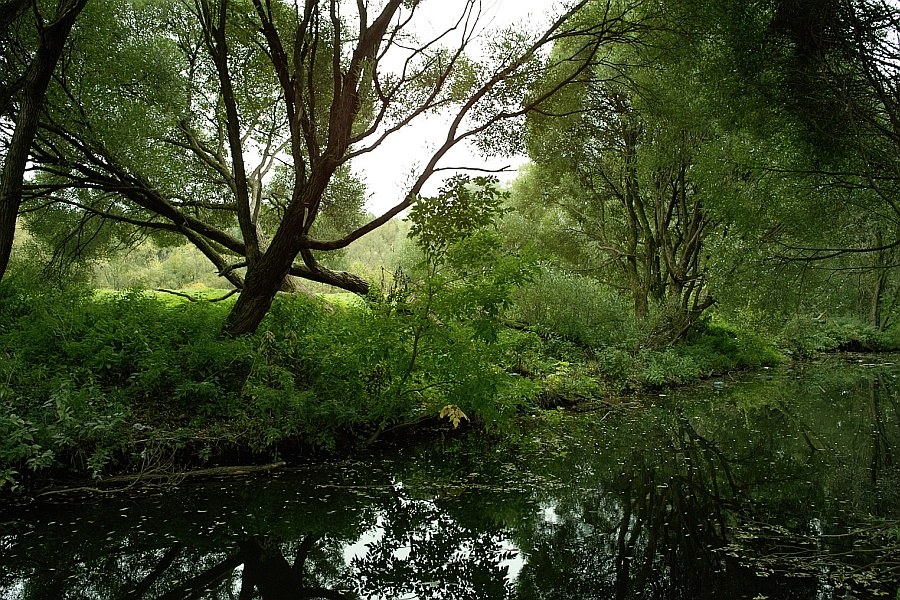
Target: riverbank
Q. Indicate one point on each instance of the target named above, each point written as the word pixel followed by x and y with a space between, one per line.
pixel 779 483
pixel 100 385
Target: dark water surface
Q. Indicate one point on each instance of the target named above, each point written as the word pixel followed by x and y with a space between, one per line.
pixel 778 485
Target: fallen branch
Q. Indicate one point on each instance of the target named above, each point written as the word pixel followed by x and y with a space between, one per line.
pixel 132 480
pixel 194 299
pixel 209 472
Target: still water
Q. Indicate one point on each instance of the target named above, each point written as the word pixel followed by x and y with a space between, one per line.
pixel 782 484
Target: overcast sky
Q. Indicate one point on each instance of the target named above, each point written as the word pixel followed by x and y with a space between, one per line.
pixel 388 169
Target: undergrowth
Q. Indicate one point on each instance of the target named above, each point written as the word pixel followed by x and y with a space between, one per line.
pixel 100 383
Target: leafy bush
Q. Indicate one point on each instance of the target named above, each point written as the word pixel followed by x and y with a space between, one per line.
pixel 717 347
pixel 668 367
pixel 614 363
pixel 576 308
pixel 710 348
pixel 82 371
pixel 150 265
pixel 805 335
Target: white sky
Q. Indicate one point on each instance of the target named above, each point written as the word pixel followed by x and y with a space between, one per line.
pixel 387 170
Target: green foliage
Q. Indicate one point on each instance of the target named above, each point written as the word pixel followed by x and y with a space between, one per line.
pixel 152 266
pixel 719 346
pixel 569 367
pixel 444 315
pixel 608 349
pixel 617 190
pixel 476 283
pixel 804 336
pixel 668 367
pixel 362 369
pixel 376 254
pixel 577 308
pixel 83 373
pixel 711 348
pixel 95 382
pixel 33 265
pixel 463 206
pixel 341 210
pixel 18 446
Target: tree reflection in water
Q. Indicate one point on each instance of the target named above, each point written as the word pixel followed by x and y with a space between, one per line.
pixel 687 499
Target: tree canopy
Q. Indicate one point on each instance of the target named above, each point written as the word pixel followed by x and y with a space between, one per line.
pixel 232 123
pixel 678 147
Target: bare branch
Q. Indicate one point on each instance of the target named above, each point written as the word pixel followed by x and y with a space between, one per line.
pixel 819 254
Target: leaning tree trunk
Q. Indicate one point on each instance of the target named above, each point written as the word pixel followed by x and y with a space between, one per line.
pixel 264 281
pixel 260 287
pixel 266 275
pixel 52 39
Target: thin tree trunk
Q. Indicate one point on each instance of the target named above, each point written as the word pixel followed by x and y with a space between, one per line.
pixel 877 295
pixel 875 309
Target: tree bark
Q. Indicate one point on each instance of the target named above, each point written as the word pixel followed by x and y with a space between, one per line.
pixel 51 41
pixel 264 281
pixel 875 307
pixel 260 287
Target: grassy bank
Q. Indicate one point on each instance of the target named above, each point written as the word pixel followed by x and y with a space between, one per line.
pixel 95 384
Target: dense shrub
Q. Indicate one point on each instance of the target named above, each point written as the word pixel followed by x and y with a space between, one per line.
pixel 717 346
pixel 576 308
pixel 807 335
pixel 88 381
pixel 711 348
pixel 82 374
pixel 581 322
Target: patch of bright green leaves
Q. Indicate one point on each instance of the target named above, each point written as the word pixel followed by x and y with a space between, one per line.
pixel 96 382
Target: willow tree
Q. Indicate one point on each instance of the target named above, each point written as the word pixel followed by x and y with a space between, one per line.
pixel 184 137
pixel 807 93
pixel 33 40
pixel 616 157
